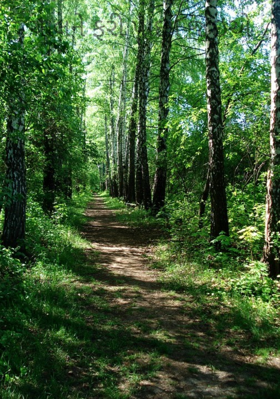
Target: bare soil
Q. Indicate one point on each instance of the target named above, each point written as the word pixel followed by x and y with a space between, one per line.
pixel 174 351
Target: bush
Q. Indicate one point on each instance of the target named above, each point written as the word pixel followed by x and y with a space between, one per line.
pixel 255 281
pixel 11 273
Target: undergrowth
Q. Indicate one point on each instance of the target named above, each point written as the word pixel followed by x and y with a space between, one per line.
pixel 32 297
pixel 233 277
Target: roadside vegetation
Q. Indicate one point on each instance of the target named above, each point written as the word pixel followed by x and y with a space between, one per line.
pixel 39 323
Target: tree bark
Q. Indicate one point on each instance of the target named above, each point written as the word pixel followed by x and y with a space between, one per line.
pixel 49 181
pixel 229 102
pixel 272 229
pixel 121 122
pixel 132 139
pixel 203 200
pixel 141 56
pixel 161 170
pixel 219 217
pixel 108 165
pixel 60 17
pixel 15 207
pixel 65 183
pixel 114 181
pixel 143 189
pixel 132 130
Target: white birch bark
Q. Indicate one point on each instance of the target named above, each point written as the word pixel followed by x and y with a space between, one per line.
pixel 272 227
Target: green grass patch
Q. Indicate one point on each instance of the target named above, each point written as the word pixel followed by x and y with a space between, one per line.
pixel 112 203
pixel 133 216
pixel 215 296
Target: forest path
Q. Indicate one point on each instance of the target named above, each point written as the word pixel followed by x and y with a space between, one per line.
pixel 155 344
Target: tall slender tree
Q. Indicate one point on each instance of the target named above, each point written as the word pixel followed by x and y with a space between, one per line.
pixel 114 181
pixel 49 141
pixel 15 207
pixel 121 121
pixel 141 138
pixel 108 163
pixel 272 227
pixel 164 88
pixel 132 128
pixel 219 217
pixel 143 189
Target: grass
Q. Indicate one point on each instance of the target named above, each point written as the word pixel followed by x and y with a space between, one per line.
pixel 137 217
pixel 231 315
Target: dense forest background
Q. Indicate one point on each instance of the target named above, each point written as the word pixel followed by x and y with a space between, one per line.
pixel 166 106
pixel 113 97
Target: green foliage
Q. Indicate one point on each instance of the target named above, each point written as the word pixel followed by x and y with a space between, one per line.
pixel 132 214
pixel 255 281
pixel 139 218
pixel 11 274
pixel 235 253
pixel 249 300
pixel 31 292
pixel 112 203
pixel 246 217
pixel 182 217
pixel 51 239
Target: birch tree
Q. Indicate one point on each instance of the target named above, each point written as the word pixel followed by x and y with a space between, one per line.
pixel 272 227
pixel 114 181
pixel 143 189
pixel 164 88
pixel 132 129
pixel 219 217
pixel 121 121
pixel 108 163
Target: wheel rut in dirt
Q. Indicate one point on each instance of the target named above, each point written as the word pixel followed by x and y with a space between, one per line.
pixel 172 349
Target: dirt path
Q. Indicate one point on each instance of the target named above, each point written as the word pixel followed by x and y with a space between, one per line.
pixel 167 351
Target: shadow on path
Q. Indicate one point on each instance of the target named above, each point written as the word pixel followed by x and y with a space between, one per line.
pixel 175 351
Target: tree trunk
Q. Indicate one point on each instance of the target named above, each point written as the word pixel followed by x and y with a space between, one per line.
pixel 141 56
pixel 161 170
pixel 60 17
pixel 143 189
pixel 125 168
pixel 132 139
pixel 121 118
pixel 108 167
pixel 50 161
pixel 15 207
pixel 229 102
pixel 272 228
pixel 203 200
pixel 49 183
pixel 65 182
pixel 114 181
pixel 219 217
